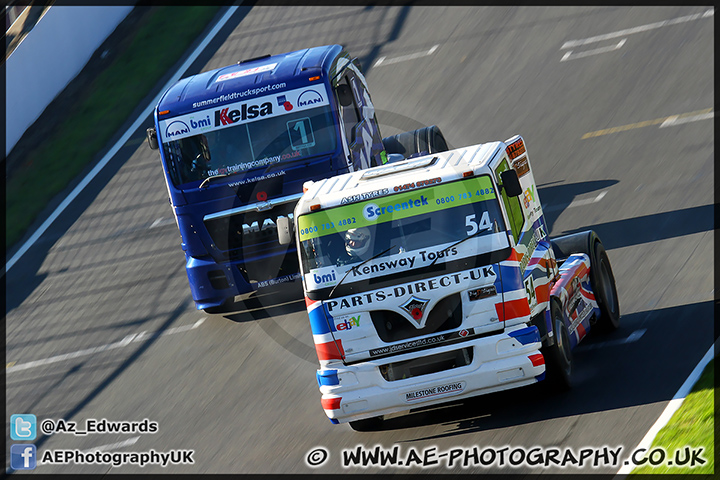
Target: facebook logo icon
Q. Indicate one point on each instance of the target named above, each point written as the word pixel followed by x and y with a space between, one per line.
pixel 23 427
pixel 23 457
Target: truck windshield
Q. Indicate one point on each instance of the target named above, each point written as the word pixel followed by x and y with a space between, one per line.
pixel 418 228
pixel 265 144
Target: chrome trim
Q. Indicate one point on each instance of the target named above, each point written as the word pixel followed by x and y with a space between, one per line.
pixel 258 207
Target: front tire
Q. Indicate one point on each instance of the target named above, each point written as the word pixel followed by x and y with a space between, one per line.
pixel 558 356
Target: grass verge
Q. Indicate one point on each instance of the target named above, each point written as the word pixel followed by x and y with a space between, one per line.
pixel 692 426
pixel 162 36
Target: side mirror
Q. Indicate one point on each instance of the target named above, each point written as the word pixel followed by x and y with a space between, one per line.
pixel 395 157
pixel 511 183
pixel 152 139
pixel 345 96
pixel 284 230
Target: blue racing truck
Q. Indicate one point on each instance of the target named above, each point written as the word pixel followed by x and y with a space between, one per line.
pixel 238 143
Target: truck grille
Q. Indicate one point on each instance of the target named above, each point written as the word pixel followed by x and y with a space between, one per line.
pixel 392 327
pixel 248 235
pixel 427 365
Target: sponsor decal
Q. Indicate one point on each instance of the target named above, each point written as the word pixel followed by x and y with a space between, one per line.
pixel 403 263
pixel 261 162
pixel 347 323
pixel 245 181
pixel 364 196
pixel 422 343
pixel 415 288
pixel 516 149
pixel 176 128
pixel 267 224
pixel 394 207
pixel 235 95
pixel 521 166
pixel 225 116
pixel 309 97
pixel 581 316
pixel 325 279
pixel 528 197
pixel 278 281
pixel 371 211
pixel 202 124
pixel 416 308
pixel 249 71
pixel 447 389
pixel 283 102
pixel 482 292
pixel 232 114
pixel 418 184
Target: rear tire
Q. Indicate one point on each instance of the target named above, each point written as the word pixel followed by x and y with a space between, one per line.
pixel 601 275
pixel 367 424
pixel 558 356
pixel 424 141
pixel 603 284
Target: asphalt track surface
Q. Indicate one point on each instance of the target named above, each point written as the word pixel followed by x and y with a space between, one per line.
pixel 100 322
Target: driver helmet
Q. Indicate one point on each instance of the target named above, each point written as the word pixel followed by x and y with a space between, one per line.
pixel 357 241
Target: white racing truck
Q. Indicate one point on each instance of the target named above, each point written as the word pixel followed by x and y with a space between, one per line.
pixel 433 279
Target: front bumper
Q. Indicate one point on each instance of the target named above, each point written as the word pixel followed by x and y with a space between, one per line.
pixel 499 362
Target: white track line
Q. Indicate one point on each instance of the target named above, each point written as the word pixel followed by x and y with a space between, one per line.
pixel 569 54
pixel 411 56
pixel 642 28
pixel 114 446
pixel 108 156
pixel 676 120
pixel 135 337
pixel 671 408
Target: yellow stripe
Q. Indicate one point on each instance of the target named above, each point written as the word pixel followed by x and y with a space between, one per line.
pixel 10 364
pixel 646 123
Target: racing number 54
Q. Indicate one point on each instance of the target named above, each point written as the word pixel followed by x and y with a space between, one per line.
pixel 474 227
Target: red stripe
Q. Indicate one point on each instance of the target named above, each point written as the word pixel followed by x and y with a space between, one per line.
pixel 513 309
pixel 513 256
pixel 542 292
pixel 329 350
pixel 581 331
pixel 587 294
pixel 309 302
pixel 537 359
pixel 330 403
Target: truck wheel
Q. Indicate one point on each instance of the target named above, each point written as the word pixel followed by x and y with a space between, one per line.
pixel 601 275
pixel 603 283
pixel 558 356
pixel 367 424
pixel 421 141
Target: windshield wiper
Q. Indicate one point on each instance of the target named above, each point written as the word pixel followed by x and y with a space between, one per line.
pixel 456 244
pixel 358 266
pixel 206 182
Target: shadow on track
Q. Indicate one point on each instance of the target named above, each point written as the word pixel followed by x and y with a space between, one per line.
pixel 608 378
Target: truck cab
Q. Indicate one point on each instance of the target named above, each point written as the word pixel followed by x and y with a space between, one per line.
pixel 237 144
pixel 433 279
